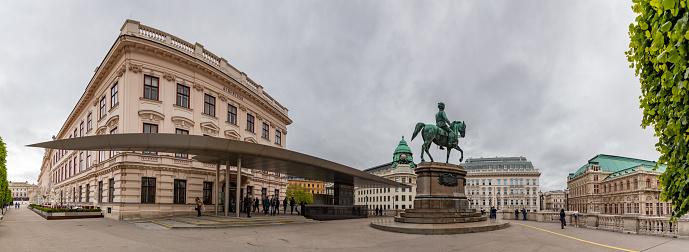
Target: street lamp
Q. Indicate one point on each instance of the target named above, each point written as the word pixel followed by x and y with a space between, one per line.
pixel 567 199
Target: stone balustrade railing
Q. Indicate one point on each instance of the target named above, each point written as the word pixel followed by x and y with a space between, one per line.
pixel 626 223
pixel 134 28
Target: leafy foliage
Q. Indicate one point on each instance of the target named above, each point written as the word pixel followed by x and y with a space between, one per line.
pixel 5 194
pixel 62 210
pixel 299 193
pixel 658 52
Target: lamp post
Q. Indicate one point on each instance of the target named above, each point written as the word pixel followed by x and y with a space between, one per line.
pixel 567 199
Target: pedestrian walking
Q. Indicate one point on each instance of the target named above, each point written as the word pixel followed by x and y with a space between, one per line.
pixel 303 208
pixel 256 203
pixel 272 205
pixel 576 218
pixel 199 205
pixel 266 205
pixel 483 212
pixel 492 212
pixel 562 219
pixel 284 205
pixel 516 214
pixel 277 205
pixel 247 205
pixel 377 211
pixel 291 205
pixel 524 213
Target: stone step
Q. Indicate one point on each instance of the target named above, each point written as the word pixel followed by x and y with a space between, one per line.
pixel 435 210
pixel 439 220
pixel 440 215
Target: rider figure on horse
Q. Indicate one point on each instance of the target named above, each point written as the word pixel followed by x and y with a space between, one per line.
pixel 442 122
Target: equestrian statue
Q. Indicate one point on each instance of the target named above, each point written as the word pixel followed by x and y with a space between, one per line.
pixel 441 134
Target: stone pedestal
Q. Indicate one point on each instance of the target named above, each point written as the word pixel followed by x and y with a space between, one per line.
pixel 440 206
pixel 440 197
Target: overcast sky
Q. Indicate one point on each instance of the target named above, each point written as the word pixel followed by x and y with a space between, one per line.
pixel 547 80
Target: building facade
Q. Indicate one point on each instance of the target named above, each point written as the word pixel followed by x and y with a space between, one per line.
pixel 312 186
pixel 503 183
pixel 617 185
pixel 400 170
pixel 153 82
pixel 23 191
pixel 554 200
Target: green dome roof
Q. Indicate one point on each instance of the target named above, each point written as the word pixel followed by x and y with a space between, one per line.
pixel 402 147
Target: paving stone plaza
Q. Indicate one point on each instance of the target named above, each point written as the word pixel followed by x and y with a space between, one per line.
pixel 23 230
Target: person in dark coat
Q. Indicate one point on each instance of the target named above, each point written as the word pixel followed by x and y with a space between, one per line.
pixel 247 206
pixel 284 205
pixel 291 205
pixel 562 218
pixel 516 214
pixel 199 205
pixel 277 205
pixel 256 205
pixel 303 208
pixel 524 213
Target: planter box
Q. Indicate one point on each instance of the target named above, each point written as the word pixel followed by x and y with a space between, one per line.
pixel 67 215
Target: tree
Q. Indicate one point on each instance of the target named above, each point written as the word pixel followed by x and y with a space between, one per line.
pixel 658 52
pixel 5 194
pixel 299 193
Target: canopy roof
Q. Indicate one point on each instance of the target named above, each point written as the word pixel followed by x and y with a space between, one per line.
pixel 219 150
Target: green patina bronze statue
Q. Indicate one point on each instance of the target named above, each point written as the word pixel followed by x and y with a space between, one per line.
pixel 441 134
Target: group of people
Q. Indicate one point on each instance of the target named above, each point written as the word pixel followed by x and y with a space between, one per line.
pixel 563 222
pixel 379 211
pixel 270 205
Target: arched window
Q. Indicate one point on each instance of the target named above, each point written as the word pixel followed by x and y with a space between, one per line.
pixel 648 183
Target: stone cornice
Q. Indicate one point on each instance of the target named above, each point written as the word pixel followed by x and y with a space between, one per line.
pixel 129 41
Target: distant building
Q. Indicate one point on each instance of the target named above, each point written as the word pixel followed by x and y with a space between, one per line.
pixel 502 182
pixel 554 200
pixel 23 191
pixel 312 186
pixel 401 169
pixel 617 185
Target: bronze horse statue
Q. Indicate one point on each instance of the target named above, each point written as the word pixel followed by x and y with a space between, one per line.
pixel 432 133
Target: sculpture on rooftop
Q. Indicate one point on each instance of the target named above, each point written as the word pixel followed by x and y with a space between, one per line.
pixel 441 134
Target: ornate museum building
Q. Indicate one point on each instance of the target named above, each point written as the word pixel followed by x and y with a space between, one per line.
pixel 617 185
pixel 502 182
pixel 153 82
pixel 401 169
pixel 24 192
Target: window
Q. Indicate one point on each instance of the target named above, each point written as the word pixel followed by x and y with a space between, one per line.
pixel 278 137
pixel 207 192
pixel 111 190
pixel 113 153
pixel 88 160
pixel 150 128
pixel 231 114
pixel 182 132
pixel 79 193
pixel 102 108
pixel 81 129
pixel 595 189
pixel 180 193
pixel 88 122
pixel 100 192
pixel 81 161
pixel 113 95
pixel 148 190
pixel 182 96
pixel 648 183
pixel 150 87
pixel 249 122
pixel 266 129
pixel 209 105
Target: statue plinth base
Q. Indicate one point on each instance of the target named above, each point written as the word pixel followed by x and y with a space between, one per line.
pixel 440 196
pixel 440 206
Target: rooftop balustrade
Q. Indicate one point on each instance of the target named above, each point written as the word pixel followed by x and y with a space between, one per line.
pixel 196 50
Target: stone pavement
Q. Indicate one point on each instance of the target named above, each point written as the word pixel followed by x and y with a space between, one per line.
pixel 23 230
